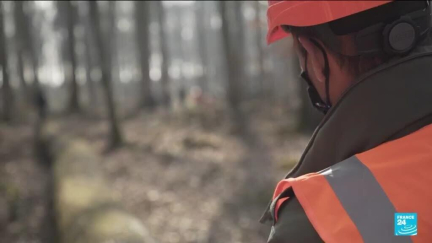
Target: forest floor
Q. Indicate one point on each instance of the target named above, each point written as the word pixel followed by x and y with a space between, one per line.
pixel 25 189
pixel 188 179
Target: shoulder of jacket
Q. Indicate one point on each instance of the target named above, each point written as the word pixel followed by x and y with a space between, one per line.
pixel 293 225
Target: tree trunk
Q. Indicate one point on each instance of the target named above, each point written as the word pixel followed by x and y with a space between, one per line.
pixel 112 34
pixel 7 92
pixel 142 37
pixel 202 30
pixel 103 48
pixel 29 41
pixel 20 69
pixel 90 60
pixel 183 82
pixel 231 57
pixel 259 42
pixel 166 98
pixel 25 45
pixel 35 67
pixel 20 46
pixel 231 54
pixel 71 12
pixel 239 41
pixel 89 67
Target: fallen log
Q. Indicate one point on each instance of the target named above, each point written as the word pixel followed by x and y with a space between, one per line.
pixel 86 209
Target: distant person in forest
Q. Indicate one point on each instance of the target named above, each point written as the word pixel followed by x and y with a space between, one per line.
pixel 366 174
pixel 197 99
pixel 41 103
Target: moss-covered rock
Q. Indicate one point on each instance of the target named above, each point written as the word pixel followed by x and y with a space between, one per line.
pixel 108 224
pixel 87 210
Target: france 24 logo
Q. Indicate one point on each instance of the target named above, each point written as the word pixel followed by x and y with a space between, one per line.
pixel 405 224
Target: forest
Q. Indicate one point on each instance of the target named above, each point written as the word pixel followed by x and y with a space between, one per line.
pixel 144 121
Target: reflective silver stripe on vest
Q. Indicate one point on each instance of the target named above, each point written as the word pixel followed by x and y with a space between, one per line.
pixel 364 200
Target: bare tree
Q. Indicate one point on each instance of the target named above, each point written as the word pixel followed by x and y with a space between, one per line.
pixel 105 57
pixel 202 29
pixel 231 54
pixel 184 83
pixel 92 93
pixel 142 36
pixel 7 92
pixel 232 58
pixel 90 60
pixel 238 32
pixel 259 42
pixel 74 88
pixel 166 98
pixel 66 20
pixel 20 45
pixel 26 46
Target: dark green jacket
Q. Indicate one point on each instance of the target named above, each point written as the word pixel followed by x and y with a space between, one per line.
pixel 387 103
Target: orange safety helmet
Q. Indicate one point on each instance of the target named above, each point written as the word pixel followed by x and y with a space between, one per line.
pixel 309 13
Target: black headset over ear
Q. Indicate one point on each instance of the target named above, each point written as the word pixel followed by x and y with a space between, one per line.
pixel 401 36
pixel 394 28
pixel 398 37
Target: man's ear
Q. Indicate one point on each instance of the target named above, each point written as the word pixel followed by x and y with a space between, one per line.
pixel 316 57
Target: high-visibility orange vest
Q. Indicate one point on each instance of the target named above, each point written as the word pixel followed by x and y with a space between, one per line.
pixel 356 199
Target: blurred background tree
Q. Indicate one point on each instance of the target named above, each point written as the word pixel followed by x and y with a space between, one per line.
pixel 159 85
pixel 142 21
pixel 6 87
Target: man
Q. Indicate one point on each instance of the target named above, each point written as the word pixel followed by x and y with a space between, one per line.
pixel 40 102
pixel 365 175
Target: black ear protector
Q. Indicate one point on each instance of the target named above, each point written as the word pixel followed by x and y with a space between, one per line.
pixel 398 37
pixel 394 29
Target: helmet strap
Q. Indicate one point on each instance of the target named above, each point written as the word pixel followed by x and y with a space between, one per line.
pixel 326 72
pixel 314 96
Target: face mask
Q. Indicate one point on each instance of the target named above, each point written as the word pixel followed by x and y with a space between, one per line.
pixel 314 96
